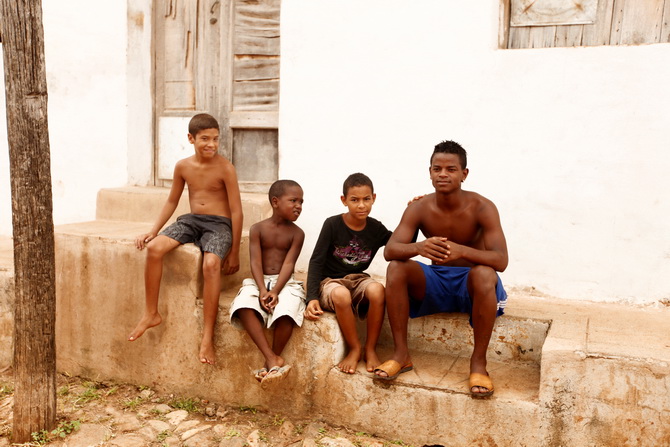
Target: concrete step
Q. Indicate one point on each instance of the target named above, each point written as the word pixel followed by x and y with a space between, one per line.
pixel 143 204
pixel 75 242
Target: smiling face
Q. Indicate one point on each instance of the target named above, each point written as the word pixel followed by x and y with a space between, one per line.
pixel 446 172
pixel 359 201
pixel 205 142
pixel 289 205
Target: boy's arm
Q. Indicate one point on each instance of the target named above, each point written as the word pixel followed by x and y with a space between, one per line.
pixel 315 271
pixel 494 250
pixel 288 266
pixel 402 246
pixel 168 209
pixel 255 258
pixel 232 262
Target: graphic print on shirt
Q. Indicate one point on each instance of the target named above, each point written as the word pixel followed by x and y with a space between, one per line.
pixel 353 254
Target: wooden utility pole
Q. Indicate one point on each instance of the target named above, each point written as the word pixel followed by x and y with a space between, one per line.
pixel 32 218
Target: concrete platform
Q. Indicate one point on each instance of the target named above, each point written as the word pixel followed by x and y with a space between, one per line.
pixel 566 372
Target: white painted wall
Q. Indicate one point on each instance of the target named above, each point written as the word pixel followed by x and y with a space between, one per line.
pixel 572 144
pixel 93 72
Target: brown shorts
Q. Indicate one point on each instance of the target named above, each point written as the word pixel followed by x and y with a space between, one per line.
pixel 356 283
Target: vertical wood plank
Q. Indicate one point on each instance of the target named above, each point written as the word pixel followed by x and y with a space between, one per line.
pixel 569 36
pixel 503 23
pixel 617 19
pixel 542 36
pixel 226 73
pixel 178 58
pixel 599 32
pixel 665 29
pixel 34 335
pixel 208 96
pixel 519 37
pixel 642 22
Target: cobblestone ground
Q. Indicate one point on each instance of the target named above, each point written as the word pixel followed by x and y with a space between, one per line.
pixel 92 413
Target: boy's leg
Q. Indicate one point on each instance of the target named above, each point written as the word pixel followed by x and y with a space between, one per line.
pixel 482 288
pixel 341 298
pixel 282 334
pixel 254 327
pixel 153 271
pixel 374 293
pixel 403 279
pixel 211 272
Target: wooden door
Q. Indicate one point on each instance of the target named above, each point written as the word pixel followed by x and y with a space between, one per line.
pixel 219 57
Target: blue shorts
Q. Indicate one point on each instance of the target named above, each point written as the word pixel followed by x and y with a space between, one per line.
pixel 447 291
pixel 212 234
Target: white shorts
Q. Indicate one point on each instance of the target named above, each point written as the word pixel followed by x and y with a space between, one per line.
pixel 291 301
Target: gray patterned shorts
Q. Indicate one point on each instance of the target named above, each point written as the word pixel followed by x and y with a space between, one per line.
pixel 212 234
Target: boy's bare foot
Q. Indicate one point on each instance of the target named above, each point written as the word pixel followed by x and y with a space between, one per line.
pixel 207 352
pixel 147 321
pixel 274 361
pixel 371 360
pixel 349 363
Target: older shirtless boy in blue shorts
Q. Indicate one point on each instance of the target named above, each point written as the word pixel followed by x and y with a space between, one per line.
pixel 466 245
pixel 215 226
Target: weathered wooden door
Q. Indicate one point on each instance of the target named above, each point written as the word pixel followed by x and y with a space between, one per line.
pixel 219 57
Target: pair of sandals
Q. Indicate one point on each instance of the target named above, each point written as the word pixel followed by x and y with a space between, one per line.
pixel 268 377
pixel 393 369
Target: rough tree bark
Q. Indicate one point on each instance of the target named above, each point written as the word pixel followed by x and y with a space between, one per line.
pixel 32 218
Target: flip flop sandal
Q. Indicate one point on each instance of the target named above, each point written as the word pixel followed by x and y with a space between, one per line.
pixel 260 373
pixel 392 369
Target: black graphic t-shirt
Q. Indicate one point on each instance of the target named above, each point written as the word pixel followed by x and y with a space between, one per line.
pixel 340 251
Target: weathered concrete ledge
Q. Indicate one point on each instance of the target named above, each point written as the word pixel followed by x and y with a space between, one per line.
pixel 566 373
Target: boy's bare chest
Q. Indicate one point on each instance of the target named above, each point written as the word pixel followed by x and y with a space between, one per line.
pixel 276 241
pixel 204 180
pixel 460 227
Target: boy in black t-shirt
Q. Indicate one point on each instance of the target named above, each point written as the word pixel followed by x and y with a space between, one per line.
pixel 336 280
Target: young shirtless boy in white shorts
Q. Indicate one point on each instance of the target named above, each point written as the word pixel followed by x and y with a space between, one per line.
pixel 272 298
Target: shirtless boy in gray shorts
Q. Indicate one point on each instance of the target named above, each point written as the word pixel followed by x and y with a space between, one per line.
pixel 215 226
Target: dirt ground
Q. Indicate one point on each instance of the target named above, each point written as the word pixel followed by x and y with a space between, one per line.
pixel 128 412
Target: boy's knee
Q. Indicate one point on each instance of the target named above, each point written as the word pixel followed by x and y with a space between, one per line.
pixel 284 322
pixel 156 251
pixel 211 265
pixel 396 269
pixel 341 296
pixel 374 292
pixel 482 276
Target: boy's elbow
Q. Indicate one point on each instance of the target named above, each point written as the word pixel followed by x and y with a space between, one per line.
pixel 503 265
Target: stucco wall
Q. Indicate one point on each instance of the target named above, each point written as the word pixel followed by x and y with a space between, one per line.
pixel 570 143
pixel 85 48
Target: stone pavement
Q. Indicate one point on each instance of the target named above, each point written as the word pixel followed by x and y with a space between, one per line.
pixel 123 415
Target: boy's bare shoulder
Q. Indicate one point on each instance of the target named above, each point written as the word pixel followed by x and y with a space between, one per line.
pixel 267 225
pixel 479 199
pixel 185 161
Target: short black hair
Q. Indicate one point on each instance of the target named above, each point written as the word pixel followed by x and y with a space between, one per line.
pixel 279 188
pixel 451 147
pixel 356 179
pixel 202 121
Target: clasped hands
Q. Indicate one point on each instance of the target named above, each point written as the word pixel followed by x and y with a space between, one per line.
pixel 440 250
pixel 268 301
